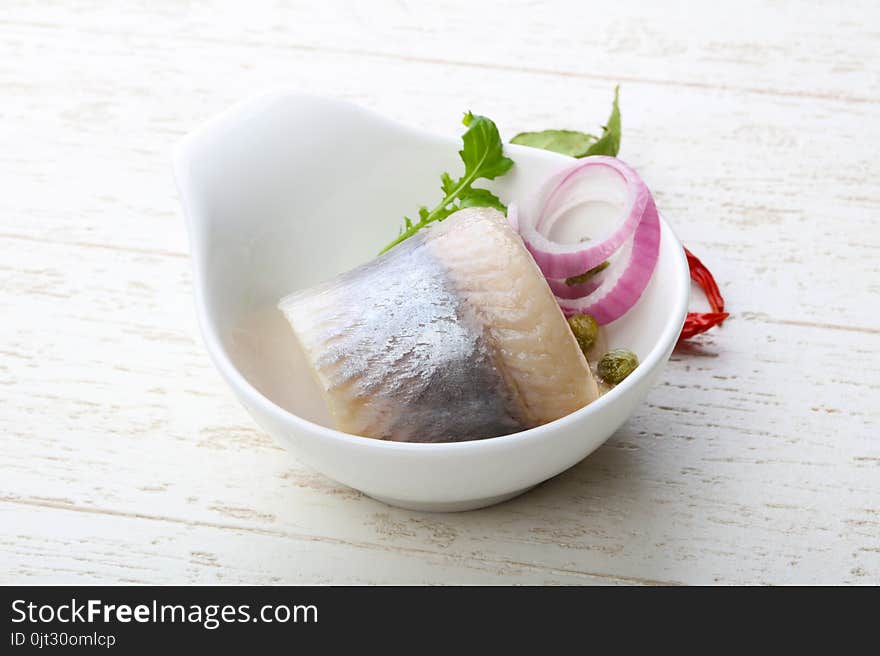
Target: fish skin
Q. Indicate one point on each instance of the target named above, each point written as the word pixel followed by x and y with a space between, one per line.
pixel 401 348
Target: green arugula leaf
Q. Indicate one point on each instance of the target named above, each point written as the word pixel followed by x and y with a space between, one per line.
pixel 480 198
pixel 482 154
pixel 578 144
pixel 567 142
pixel 483 157
pixel 609 142
pixel 447 185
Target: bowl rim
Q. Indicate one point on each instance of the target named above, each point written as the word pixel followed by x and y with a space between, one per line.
pixel 240 384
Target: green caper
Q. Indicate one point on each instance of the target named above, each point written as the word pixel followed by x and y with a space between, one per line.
pixel 617 365
pixel 585 330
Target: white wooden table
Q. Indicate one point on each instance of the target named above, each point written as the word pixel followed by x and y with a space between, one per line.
pixel 756 459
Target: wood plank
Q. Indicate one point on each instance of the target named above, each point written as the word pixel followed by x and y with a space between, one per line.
pixel 729 472
pixel 750 47
pixel 123 456
pixel 742 183
pixel 74 547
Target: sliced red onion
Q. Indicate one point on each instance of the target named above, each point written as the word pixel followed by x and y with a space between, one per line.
pixel 591 177
pixel 631 246
pixel 627 276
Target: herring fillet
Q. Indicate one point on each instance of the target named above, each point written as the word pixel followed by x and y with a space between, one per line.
pixel 452 335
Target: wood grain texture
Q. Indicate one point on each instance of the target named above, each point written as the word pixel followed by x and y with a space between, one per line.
pixel 755 460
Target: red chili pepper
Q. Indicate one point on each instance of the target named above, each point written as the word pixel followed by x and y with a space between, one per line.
pixel 700 322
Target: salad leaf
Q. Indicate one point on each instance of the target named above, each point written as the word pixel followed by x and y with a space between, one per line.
pixel 609 142
pixel 483 157
pixel 567 142
pixel 578 144
pixel 481 198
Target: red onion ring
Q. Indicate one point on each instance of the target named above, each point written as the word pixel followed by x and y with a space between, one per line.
pixel 632 247
pixel 565 191
pixel 614 298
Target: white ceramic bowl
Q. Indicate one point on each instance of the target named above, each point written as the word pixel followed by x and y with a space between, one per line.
pixel 286 190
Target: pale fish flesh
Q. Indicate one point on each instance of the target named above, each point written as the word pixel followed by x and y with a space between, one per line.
pixel 452 335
